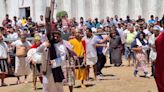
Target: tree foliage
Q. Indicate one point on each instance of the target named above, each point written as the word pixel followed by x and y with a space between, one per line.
pixel 61 14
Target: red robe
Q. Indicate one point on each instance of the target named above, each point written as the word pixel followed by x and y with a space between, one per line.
pixel 159 66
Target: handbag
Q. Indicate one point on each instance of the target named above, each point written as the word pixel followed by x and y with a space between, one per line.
pixel 21 51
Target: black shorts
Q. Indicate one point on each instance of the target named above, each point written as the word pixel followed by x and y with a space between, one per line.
pixel 3 66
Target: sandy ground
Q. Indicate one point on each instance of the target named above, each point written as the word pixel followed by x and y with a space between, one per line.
pixel 116 79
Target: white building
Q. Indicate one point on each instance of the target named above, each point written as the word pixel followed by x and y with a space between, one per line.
pixel 85 8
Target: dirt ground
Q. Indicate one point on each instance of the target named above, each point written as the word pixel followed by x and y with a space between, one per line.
pixel 116 79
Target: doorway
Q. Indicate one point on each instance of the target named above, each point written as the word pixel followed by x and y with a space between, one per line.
pixel 24 12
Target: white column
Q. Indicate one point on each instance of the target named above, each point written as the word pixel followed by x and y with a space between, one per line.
pixel 74 8
pixel 95 9
pixel 160 8
pixel 3 11
pixel 102 8
pixel 149 8
pixel 152 7
pixel 39 6
pixel 109 5
pixel 123 8
pixel 137 8
pixel 12 7
pixel 88 9
pixel 58 6
pixel 32 9
pixel 145 5
pixel 48 2
pixel 81 8
pixel 116 7
pixel 67 7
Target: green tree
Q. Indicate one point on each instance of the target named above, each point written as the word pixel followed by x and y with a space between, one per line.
pixel 61 14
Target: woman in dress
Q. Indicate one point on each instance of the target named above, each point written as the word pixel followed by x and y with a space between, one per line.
pixel 140 47
pixel 115 49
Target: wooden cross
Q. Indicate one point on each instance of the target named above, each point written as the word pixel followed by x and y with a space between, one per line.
pixel 49 16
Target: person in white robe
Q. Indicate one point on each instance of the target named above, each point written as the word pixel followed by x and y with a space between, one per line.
pixel 22 68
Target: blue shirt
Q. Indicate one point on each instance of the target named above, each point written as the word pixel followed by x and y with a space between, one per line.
pixel 99 49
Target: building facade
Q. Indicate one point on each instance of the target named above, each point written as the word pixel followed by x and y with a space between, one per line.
pixel 85 8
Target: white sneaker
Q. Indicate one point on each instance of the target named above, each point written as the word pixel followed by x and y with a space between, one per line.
pixel 99 77
pixel 136 75
pixel 147 75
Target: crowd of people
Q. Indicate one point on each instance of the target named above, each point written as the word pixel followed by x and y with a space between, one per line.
pixel 68 52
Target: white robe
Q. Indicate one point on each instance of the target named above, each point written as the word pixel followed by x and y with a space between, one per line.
pixel 48 81
pixel 21 66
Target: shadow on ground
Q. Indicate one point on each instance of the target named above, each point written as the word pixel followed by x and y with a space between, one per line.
pixel 87 85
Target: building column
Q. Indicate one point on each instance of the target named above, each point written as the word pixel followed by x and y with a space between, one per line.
pixel 67 7
pixel 3 11
pixel 123 9
pixel 88 9
pixel 95 9
pixel 39 8
pixel 102 9
pixel 74 8
pixel 152 7
pixel 11 7
pixel 58 7
pixel 81 9
pixel 149 7
pixel 160 8
pixel 135 8
pixel 32 9
pixel 109 5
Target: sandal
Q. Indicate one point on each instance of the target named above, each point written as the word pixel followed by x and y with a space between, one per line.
pixel 4 84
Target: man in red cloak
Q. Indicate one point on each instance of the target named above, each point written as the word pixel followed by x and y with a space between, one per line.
pixel 159 66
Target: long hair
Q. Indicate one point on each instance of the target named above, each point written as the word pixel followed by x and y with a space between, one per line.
pixel 52 49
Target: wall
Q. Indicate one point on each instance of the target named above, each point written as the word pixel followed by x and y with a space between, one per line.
pixel 86 8
pixel 103 8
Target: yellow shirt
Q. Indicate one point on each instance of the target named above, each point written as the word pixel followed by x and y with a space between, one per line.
pixel 130 38
pixel 77 47
pixel 24 22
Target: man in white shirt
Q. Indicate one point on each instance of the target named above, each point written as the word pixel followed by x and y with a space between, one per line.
pixel 41 22
pixel 12 34
pixel 121 32
pixel 14 22
pixel 91 42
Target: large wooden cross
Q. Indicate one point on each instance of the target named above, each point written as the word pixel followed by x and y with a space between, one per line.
pixel 48 19
pixel 49 16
